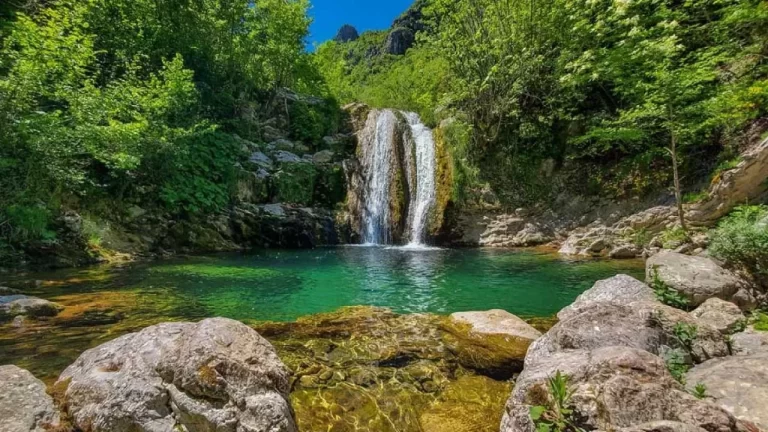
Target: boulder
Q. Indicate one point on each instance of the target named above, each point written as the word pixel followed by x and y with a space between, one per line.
pixel 664 426
pixel 5 291
pixel 620 289
pixel 649 326
pixel 739 384
pixel 613 387
pixel 282 156
pixel 323 157
pixel 217 374
pixel 261 160
pixel 15 305
pixel 625 252
pixel 726 317
pixel 697 278
pixel 749 342
pixel 493 342
pixel 24 404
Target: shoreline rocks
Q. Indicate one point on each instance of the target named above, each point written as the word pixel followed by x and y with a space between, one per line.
pixel 217 374
pixel 24 404
pixel 15 305
pixel 493 342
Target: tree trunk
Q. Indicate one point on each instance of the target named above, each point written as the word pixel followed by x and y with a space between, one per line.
pixel 678 192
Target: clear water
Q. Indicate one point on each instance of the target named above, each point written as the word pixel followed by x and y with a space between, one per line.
pixel 285 285
pixel 104 302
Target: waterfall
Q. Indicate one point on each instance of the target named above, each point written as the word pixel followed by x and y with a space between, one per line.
pixel 395 155
pixel 424 199
pixel 377 155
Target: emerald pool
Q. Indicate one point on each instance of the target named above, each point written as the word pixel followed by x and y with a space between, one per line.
pixel 282 285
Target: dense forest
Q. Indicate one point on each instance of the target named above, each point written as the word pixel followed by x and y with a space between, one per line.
pixel 110 103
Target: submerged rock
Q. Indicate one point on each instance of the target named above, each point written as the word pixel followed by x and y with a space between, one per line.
pixel 493 342
pixel 24 404
pixel 217 374
pixel 697 278
pixel 739 384
pixel 15 305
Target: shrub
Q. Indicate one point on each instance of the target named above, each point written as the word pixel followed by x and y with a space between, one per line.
pixel 556 415
pixel 26 223
pixel 741 239
pixel 676 364
pixel 700 391
pixel 673 238
pixel 201 174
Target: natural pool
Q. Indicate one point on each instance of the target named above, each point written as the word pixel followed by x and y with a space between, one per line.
pixel 358 369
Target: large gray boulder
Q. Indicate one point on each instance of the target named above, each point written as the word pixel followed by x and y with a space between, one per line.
pixel 613 387
pixel 739 384
pixel 697 278
pixel 24 404
pixel 620 289
pixel 725 316
pixel 18 304
pixel 644 325
pixel 215 375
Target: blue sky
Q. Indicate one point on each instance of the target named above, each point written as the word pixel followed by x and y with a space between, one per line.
pixel 364 15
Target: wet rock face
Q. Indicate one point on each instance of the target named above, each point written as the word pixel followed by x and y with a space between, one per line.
pixel 739 384
pixel 368 369
pixel 214 375
pixel 697 278
pixel 24 404
pixel 494 342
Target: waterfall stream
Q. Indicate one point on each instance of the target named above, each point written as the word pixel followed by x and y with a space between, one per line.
pixel 424 199
pixel 384 155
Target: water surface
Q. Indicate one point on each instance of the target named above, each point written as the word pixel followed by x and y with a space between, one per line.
pixel 107 301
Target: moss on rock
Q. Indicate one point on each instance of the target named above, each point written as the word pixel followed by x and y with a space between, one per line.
pixel 294 183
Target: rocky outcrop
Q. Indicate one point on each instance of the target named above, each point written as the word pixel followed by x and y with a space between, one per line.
pixel 610 345
pixel 499 230
pixel 399 41
pixel 749 342
pixel 744 183
pixel 20 305
pixel 493 342
pixel 739 384
pixel 346 33
pixel 725 316
pixel 696 278
pixel 620 289
pixel 613 387
pixel 24 404
pixel 217 374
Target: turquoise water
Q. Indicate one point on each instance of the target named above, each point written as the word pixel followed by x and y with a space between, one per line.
pixel 104 302
pixel 284 285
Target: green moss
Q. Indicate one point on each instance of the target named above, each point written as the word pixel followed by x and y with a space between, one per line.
pixel 217 272
pixel 330 186
pixel 295 183
pixel 443 182
pixel 494 354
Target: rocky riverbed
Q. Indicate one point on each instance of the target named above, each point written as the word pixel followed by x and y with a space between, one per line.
pixel 632 363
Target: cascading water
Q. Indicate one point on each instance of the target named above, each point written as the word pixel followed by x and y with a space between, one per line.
pixel 377 154
pixel 385 160
pixel 424 199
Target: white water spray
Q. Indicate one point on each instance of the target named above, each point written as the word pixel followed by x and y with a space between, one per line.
pixel 424 200
pixel 377 154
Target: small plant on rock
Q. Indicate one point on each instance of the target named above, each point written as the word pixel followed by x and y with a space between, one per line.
pixel 668 295
pixel 700 391
pixel 686 334
pixel 676 364
pixel 557 414
pixel 759 321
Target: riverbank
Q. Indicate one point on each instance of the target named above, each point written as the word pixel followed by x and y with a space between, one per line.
pixel 367 368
